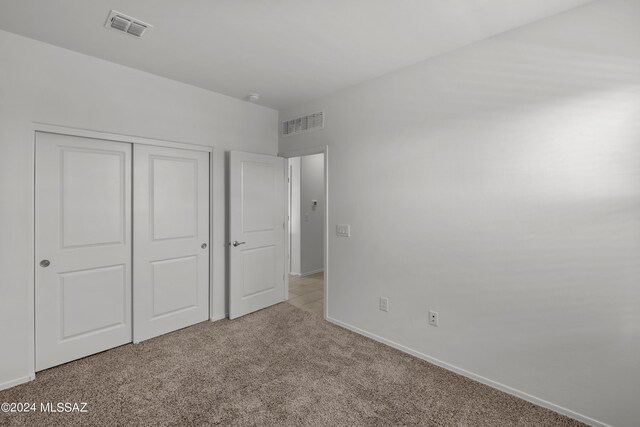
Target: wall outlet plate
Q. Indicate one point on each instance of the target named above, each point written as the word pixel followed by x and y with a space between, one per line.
pixel 384 304
pixel 433 318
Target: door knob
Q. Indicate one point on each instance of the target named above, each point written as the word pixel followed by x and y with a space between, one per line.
pixel 203 246
pixel 236 243
pixel 44 263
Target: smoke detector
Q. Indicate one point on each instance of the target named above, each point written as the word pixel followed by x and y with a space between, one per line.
pixel 253 97
pixel 126 24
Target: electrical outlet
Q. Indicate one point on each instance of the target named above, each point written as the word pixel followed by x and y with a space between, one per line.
pixel 384 304
pixel 433 318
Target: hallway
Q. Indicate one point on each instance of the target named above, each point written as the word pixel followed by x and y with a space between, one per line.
pixel 307 293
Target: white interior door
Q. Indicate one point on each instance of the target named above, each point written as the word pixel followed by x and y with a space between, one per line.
pixel 171 236
pixel 257 232
pixel 83 247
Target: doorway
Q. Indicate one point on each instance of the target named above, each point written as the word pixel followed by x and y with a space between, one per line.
pixel 307 210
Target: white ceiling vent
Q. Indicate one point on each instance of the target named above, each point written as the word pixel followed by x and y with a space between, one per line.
pixel 126 24
pixel 303 124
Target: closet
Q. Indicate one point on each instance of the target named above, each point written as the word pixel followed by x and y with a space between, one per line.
pixel 121 243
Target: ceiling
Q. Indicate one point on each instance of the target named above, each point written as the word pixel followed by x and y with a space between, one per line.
pixel 289 51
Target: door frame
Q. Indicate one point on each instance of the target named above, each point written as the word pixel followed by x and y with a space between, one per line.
pixel 36 128
pixel 321 149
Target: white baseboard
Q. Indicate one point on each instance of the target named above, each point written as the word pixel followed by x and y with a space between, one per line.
pixel 18 381
pixel 309 273
pixel 475 377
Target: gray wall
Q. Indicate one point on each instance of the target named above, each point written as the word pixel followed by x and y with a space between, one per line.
pixel 47 84
pixel 312 219
pixel 294 250
pixel 500 186
pixel 307 222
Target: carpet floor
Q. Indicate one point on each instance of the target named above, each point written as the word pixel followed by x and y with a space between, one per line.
pixel 278 367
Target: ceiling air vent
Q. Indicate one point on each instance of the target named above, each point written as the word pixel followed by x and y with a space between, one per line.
pixel 120 23
pixel 126 24
pixel 136 29
pixel 303 124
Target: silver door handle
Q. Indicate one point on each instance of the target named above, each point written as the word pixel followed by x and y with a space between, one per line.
pixel 203 246
pixel 44 263
pixel 236 243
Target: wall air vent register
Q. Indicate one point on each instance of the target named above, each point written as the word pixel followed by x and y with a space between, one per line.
pixel 303 124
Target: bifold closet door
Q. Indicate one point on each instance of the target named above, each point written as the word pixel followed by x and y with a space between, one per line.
pixel 82 247
pixel 171 239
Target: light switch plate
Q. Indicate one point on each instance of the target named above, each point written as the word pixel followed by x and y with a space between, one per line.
pixel 343 230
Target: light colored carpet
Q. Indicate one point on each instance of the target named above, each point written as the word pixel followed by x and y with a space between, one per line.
pixel 279 366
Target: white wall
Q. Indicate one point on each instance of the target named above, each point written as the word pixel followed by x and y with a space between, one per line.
pixel 43 83
pixel 500 186
pixel 294 164
pixel 312 219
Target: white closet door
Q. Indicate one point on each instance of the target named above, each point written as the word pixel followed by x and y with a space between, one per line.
pixel 83 247
pixel 171 239
pixel 257 220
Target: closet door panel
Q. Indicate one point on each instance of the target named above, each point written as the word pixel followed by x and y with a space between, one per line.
pixel 83 247
pixel 171 235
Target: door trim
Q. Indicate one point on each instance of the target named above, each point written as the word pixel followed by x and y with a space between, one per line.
pixel 107 136
pixel 62 130
pixel 322 149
